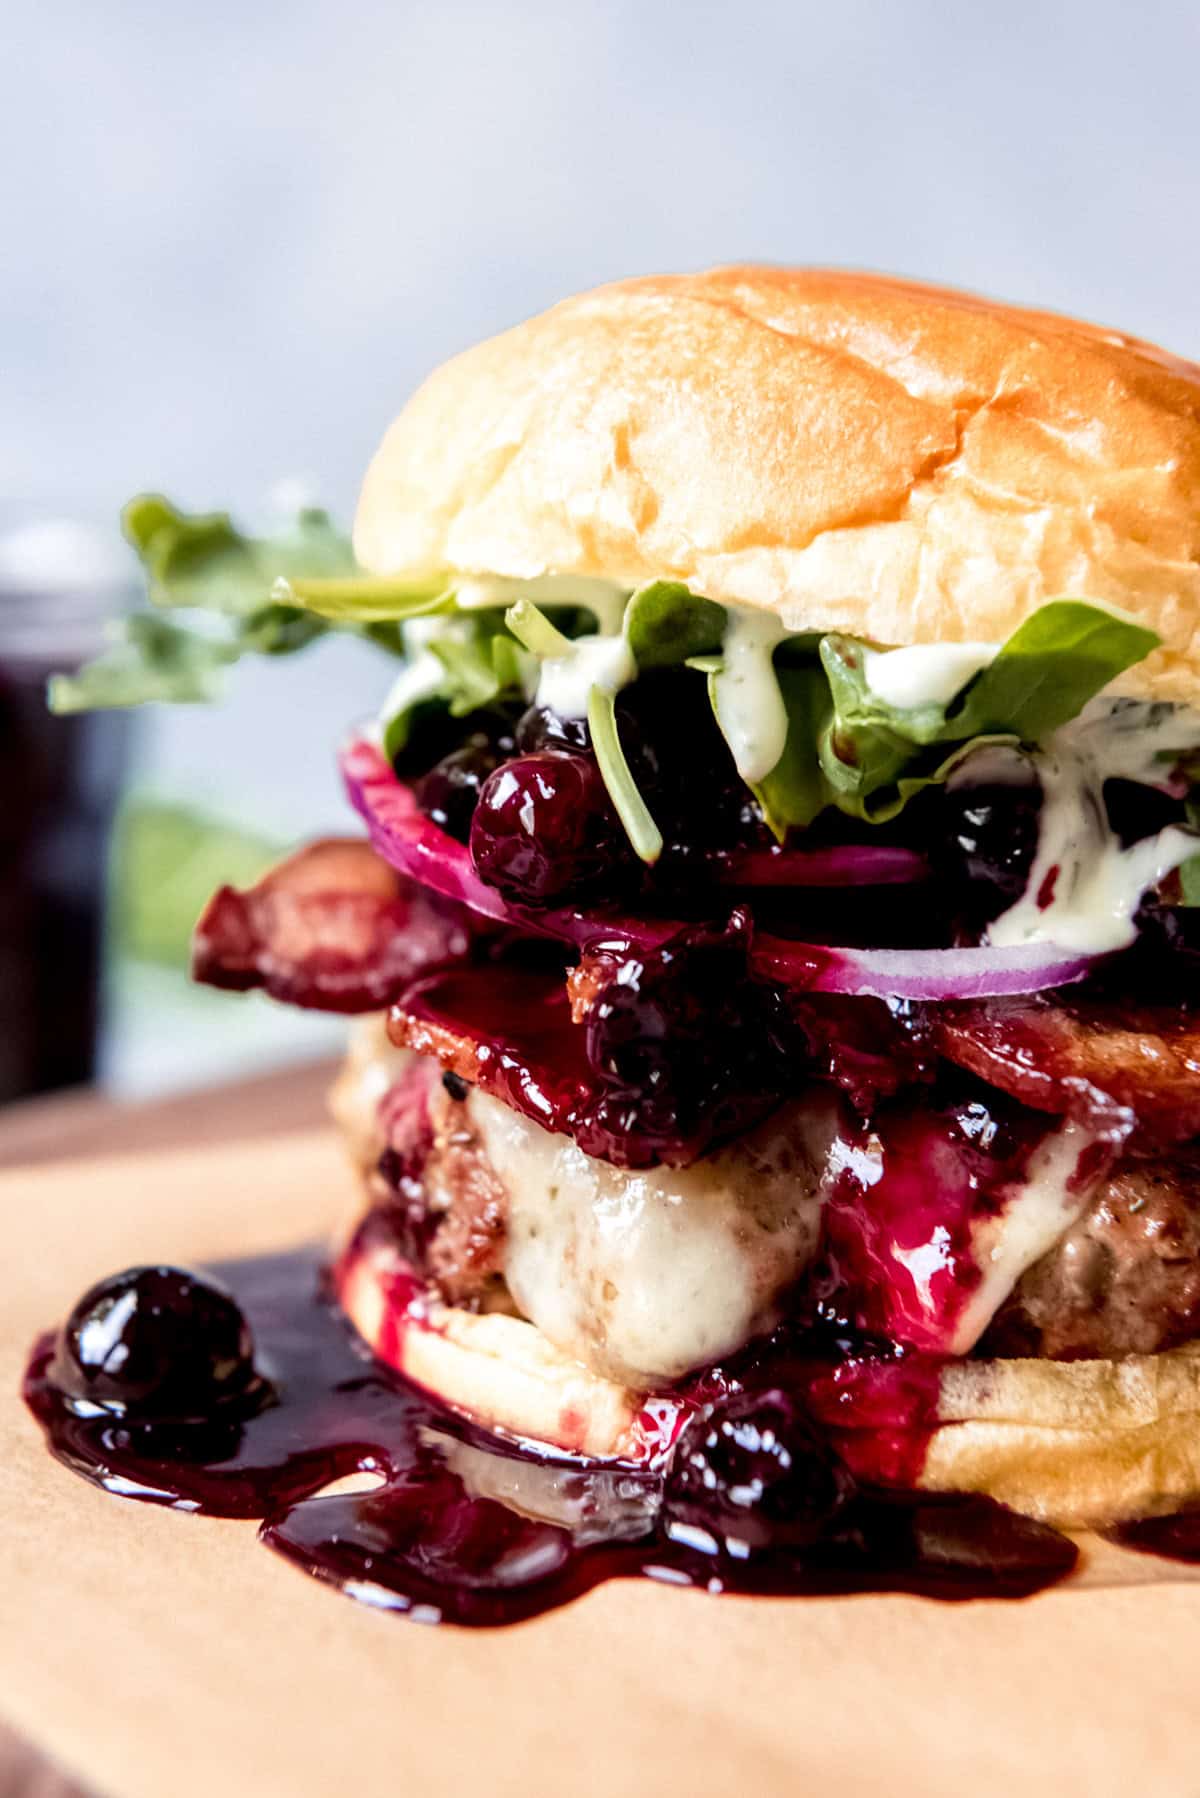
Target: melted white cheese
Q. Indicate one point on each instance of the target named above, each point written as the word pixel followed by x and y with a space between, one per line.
pixel 925 673
pixel 644 1276
pixel 1040 1211
pixel 1084 888
pixel 748 700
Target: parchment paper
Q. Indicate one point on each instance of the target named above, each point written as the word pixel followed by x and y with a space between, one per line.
pixel 155 1653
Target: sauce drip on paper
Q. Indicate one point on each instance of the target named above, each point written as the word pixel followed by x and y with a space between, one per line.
pixel 459 1526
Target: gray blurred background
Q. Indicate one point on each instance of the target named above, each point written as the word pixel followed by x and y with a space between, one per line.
pixel 239 235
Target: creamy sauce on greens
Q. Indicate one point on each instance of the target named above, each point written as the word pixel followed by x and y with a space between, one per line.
pixel 1084 888
pixel 924 673
pixel 749 703
pixel 565 682
pixel 605 599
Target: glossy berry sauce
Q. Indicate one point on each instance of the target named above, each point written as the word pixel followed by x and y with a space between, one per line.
pixel 463 1527
pixel 644 1082
pixel 1174 1538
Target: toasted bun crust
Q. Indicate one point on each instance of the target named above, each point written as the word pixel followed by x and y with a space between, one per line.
pixel 1081 1444
pixel 852 452
pixel 496 1369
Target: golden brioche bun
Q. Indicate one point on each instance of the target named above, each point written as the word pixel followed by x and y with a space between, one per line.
pixel 853 452
pixel 490 1366
pixel 1081 1444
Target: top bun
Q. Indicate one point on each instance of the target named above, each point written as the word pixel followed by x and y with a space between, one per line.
pixel 905 463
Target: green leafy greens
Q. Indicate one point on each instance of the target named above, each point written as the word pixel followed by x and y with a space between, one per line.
pixel 470 664
pixel 218 594
pixel 874 756
pixel 847 747
pixel 235 595
pixel 666 624
pixel 631 808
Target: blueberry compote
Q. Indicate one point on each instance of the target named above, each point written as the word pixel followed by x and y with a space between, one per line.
pixel 680 1050
pixel 269 1398
pixel 544 830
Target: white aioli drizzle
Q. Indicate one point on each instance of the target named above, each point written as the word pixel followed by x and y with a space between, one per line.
pixel 597 661
pixel 1084 888
pixel 605 598
pixel 749 703
pixel 924 673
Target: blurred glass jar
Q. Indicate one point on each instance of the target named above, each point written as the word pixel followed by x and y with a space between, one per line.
pixel 60 780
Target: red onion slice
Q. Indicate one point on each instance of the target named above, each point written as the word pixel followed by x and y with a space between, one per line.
pixel 838 865
pixel 406 838
pixel 972 973
pixel 402 834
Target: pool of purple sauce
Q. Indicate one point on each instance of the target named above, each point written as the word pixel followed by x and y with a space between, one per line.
pixel 458 1526
pixel 1175 1538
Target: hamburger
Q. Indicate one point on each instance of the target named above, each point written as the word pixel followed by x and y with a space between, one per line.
pixel 773 934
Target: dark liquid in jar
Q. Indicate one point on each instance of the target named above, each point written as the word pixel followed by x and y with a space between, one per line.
pixel 60 779
pixel 463 1527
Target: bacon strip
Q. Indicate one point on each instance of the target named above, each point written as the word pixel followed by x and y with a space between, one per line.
pixel 1069 1058
pixel 509 1031
pixel 332 928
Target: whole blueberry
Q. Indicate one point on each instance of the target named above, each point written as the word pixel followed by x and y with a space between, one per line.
pixel 683 1030
pixel 540 728
pixel 754 1471
pixel 985 839
pixel 449 792
pixel 545 830
pixel 156 1341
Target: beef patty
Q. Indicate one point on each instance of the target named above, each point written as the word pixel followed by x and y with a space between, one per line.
pixel 446 1205
pixel 1125 1280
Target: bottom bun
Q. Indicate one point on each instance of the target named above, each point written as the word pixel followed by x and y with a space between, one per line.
pixel 1077 1444
pixel 489 1366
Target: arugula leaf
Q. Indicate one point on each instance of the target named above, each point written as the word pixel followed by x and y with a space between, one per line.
pixel 845 746
pixel 1189 871
pixel 246 596
pixel 861 746
pixel 364 598
pixel 167 860
pixel 469 666
pixel 875 756
pixel 1049 668
pixel 666 624
pixel 481 664
pixel 278 630
pixel 530 626
pixel 202 559
pixel 795 790
pixel 151 658
pixel 631 808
